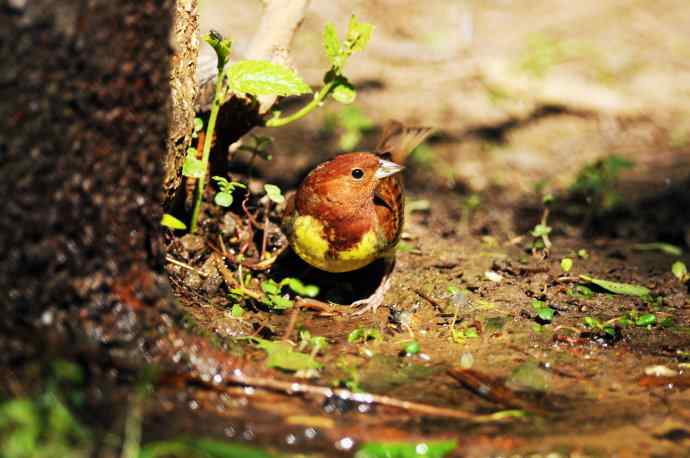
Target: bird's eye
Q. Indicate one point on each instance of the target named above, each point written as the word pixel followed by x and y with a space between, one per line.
pixel 357 174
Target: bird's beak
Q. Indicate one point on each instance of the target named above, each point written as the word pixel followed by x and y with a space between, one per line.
pixel 387 168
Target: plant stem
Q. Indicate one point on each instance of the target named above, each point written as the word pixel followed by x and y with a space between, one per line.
pixel 318 98
pixel 210 128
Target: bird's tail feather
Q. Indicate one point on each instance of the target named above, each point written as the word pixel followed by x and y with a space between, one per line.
pixel 398 141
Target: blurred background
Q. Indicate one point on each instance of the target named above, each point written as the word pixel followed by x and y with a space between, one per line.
pixel 521 91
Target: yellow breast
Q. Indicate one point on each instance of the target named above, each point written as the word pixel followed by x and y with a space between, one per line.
pixel 309 242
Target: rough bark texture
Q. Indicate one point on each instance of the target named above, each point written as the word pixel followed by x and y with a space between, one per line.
pixel 84 90
pixel 183 86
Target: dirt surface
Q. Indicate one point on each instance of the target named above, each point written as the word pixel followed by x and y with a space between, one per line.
pixel 559 88
pixel 518 354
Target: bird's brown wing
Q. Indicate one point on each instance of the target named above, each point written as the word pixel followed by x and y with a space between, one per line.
pixel 397 141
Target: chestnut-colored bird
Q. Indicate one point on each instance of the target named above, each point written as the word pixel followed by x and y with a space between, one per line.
pixel 349 211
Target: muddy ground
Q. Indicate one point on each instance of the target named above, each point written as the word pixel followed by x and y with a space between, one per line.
pixel 524 97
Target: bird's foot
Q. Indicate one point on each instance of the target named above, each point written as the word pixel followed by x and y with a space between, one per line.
pixel 372 302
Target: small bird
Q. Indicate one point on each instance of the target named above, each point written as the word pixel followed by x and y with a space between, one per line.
pixel 348 212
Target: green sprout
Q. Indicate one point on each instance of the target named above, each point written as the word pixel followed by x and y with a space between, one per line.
pixel 597 183
pixel 680 271
pixel 224 196
pixel 336 84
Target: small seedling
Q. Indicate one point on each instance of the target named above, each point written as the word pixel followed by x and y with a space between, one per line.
pixel 362 335
pixel 278 301
pixel 598 326
pixel 566 264
pixel 460 335
pixel 411 348
pixel 680 271
pixel 336 84
pixel 274 193
pixel 224 196
pixel 544 312
pixel 316 343
pixel 597 183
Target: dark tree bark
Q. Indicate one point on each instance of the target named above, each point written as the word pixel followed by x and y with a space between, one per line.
pixel 83 101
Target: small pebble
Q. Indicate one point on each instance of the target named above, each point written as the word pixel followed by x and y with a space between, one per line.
pixel 660 371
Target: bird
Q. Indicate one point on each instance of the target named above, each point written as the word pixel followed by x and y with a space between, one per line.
pixel 348 211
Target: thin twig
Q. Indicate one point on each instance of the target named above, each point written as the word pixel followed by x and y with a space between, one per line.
pixel 291 388
pixel 264 239
pixel 293 320
pixel 437 305
pixel 172 260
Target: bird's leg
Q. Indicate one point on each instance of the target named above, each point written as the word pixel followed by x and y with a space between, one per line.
pixel 376 299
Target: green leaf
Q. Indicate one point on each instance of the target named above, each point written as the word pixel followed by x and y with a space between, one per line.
pixel 280 302
pixel 224 199
pixel 659 246
pixel 580 291
pixel 170 221
pixel 364 334
pixel 221 46
pixel 262 77
pixel 198 125
pixel 237 311
pixel 274 193
pixel 358 34
pixel 207 448
pixel 412 347
pixel 270 287
pixel 427 449
pixel 680 271
pixel 646 319
pixel 546 313
pixel 541 230
pixel 344 92
pixel 193 167
pixel 300 288
pixel 618 288
pixel 566 264
pixel 591 322
pixel 282 356
pixel 331 43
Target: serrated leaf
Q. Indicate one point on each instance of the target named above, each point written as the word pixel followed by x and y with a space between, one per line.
pixel 262 77
pixel 172 222
pixel 220 45
pixel 680 271
pixel 426 449
pixel 282 356
pixel 193 167
pixel 224 199
pixel 618 288
pixel 274 193
pixel 344 92
pixel 331 43
pixel 358 34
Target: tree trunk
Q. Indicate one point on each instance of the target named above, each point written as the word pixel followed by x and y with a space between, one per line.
pixel 85 95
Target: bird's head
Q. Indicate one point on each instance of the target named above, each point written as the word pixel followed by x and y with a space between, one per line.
pixel 343 184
